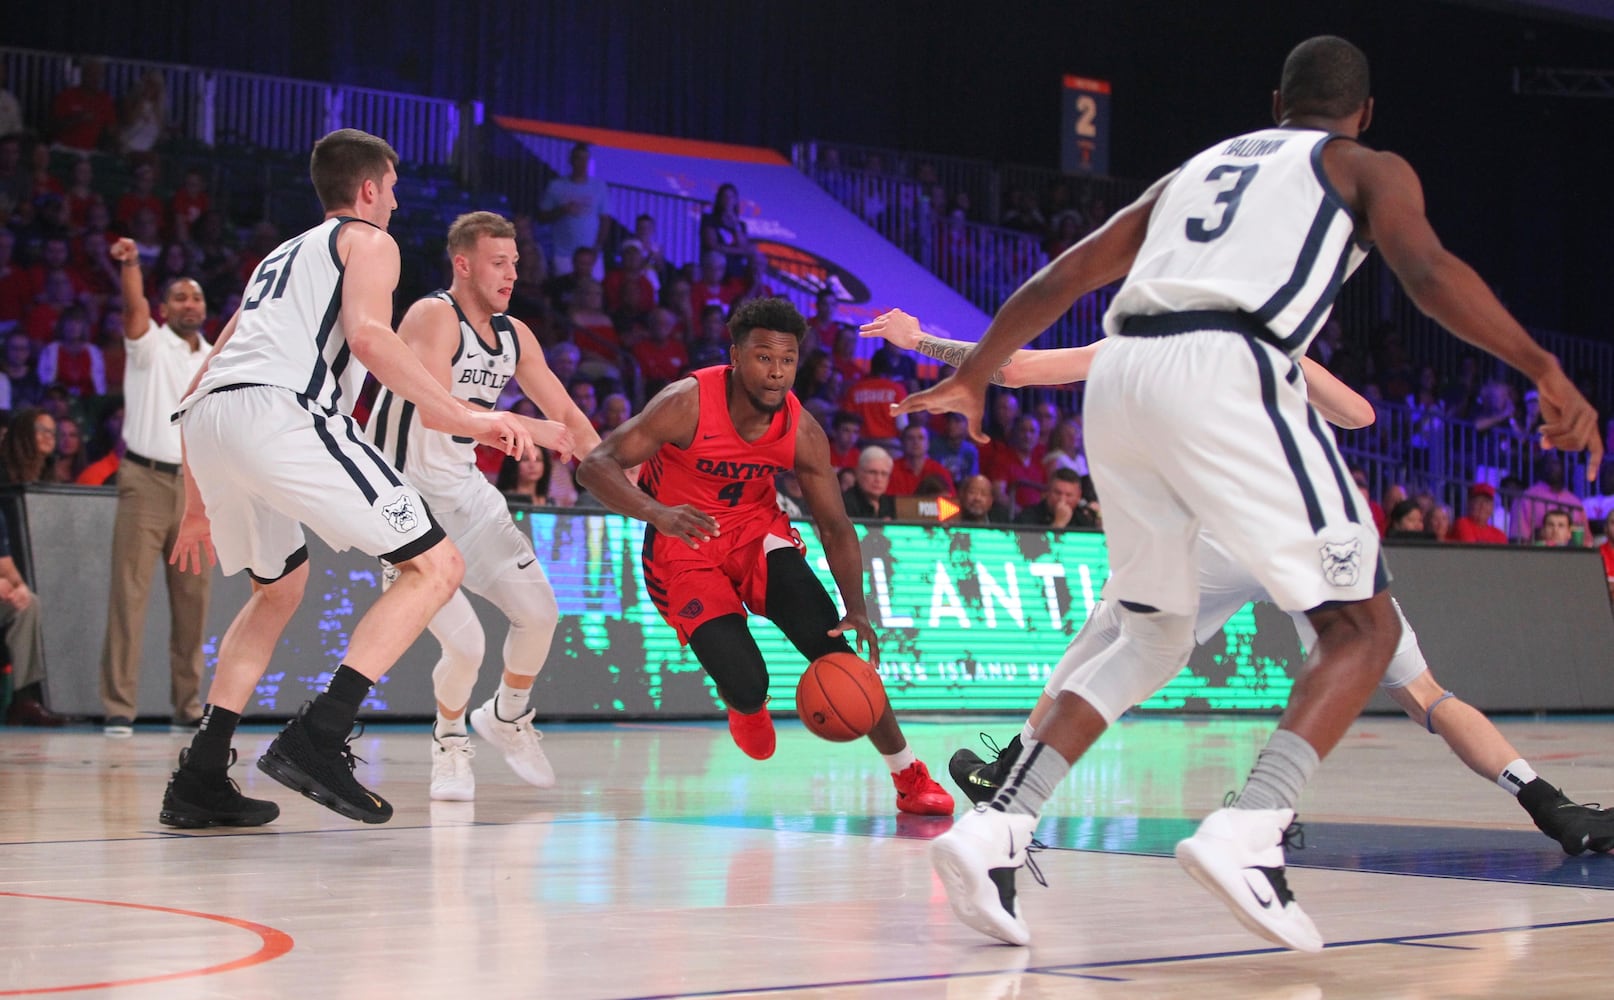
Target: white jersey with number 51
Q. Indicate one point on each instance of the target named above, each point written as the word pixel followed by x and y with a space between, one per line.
pixel 1251 225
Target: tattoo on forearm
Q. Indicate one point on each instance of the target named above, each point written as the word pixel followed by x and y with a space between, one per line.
pixel 953 353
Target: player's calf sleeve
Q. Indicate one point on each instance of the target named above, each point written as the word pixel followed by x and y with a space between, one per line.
pixel 1150 650
pixel 457 630
pixel 529 602
pixel 798 604
pixel 731 658
pixel 1100 631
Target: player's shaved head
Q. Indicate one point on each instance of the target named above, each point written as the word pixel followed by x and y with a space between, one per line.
pixel 1324 76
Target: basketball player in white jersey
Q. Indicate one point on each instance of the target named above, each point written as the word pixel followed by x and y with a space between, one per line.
pixel 1232 263
pixel 1225 587
pixel 464 339
pixel 270 446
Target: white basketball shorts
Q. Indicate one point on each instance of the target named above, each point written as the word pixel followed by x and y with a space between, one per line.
pixel 1210 429
pixel 267 464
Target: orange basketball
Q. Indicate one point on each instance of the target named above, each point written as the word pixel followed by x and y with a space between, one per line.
pixel 840 697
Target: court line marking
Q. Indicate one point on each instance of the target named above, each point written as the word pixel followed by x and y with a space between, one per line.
pixel 1401 939
pixel 887 981
pixel 275 943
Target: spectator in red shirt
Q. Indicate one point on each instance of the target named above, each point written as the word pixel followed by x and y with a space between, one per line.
pixel 1017 470
pixel 71 361
pixel 629 293
pixel 845 429
pixel 661 357
pixel 140 197
pixel 823 330
pixel 189 203
pixel 592 330
pixel 39 322
pixel 81 193
pixel 1475 525
pixel 871 398
pixel 845 361
pixel 82 115
pixel 915 464
pixel 711 288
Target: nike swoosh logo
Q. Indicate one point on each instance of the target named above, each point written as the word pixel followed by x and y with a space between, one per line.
pixel 976 779
pixel 1266 902
pixel 472 357
pixel 524 565
pixel 708 437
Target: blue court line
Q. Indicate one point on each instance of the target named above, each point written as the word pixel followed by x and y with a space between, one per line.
pixel 1404 939
pixel 1431 944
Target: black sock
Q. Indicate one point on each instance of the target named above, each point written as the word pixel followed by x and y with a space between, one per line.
pixel 331 715
pixel 210 747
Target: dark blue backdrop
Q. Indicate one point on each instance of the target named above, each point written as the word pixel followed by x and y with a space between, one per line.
pixel 1517 185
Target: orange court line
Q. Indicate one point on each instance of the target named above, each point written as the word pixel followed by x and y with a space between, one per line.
pixel 275 944
pixel 645 143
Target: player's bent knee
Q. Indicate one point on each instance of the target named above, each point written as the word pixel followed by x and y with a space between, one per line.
pixel 441 567
pixel 1149 651
pixel 731 658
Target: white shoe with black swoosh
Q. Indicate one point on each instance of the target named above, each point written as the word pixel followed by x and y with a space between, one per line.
pixel 976 861
pixel 1238 855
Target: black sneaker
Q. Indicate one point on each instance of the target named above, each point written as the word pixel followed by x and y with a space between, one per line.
pixel 977 779
pixel 326 776
pixel 200 797
pixel 1575 827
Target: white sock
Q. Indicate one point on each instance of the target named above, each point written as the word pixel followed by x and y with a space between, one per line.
pixel 900 761
pixel 1515 776
pixel 511 703
pixel 448 727
pixel 1027 733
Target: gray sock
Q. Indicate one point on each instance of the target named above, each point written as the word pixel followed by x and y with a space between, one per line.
pixel 1031 780
pixel 1285 765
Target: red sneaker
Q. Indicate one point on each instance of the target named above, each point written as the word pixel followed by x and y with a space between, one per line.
pixel 754 733
pixel 919 794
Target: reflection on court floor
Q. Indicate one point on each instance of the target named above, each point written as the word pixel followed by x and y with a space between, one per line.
pixel 667 864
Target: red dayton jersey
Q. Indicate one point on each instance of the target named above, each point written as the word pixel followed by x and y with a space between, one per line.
pixel 721 473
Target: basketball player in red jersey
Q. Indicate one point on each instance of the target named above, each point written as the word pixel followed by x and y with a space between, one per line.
pixel 717 544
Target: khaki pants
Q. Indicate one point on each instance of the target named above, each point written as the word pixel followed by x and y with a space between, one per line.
pixel 150 504
pixel 24 638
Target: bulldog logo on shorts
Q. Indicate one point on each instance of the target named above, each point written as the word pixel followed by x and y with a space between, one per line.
pixel 401 515
pixel 693 609
pixel 1342 563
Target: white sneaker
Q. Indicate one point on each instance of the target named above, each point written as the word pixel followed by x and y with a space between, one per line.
pixel 452 780
pixel 977 860
pixel 1238 855
pixel 518 741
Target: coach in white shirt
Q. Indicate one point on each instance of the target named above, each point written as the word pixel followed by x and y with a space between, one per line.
pixel 162 360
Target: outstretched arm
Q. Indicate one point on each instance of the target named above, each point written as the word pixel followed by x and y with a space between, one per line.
pixel 669 418
pixel 132 283
pixel 543 387
pixel 1389 196
pixel 1104 256
pixel 1339 404
pixel 841 549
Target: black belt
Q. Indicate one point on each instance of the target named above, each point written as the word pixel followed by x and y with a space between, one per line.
pixel 1197 320
pixel 166 468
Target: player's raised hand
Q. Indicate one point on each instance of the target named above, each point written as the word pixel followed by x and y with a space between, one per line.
pixel 949 396
pixel 690 524
pixel 901 329
pixel 555 436
pixel 499 429
pixel 122 250
pixel 866 640
pixel 1568 421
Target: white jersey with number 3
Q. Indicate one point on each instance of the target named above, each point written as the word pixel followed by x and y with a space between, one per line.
pixel 439 465
pixel 289 330
pixel 1251 225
